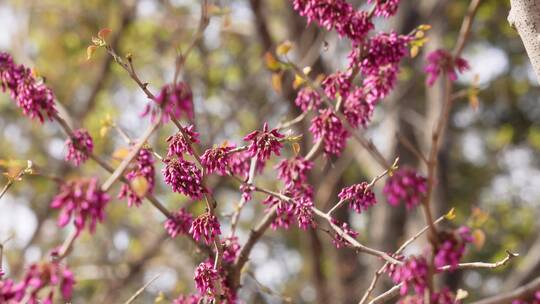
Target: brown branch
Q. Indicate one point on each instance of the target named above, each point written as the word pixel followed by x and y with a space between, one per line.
pixel 141 290
pixel 522 292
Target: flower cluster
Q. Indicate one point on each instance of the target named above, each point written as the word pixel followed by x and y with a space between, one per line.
pixel 78 146
pixel 181 142
pixel 360 196
pixel 83 200
pixel 191 299
pixel 184 177
pixel 444 296
pixel 179 223
pixel 34 98
pixel 452 247
pixel 307 99
pixel 338 240
pixel 329 128
pixel 143 168
pixel 413 273
pixel 175 100
pixel 10 293
pixel 230 249
pixel 338 15
pixel 48 274
pixel 264 143
pixel 219 159
pixel 405 185
pixel 336 84
pixel 441 61
pixel 357 109
pixel 385 8
pixel 206 226
pixel 205 278
pixel 284 212
pixel 293 172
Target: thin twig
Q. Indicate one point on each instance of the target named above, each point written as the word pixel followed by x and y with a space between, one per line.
pixel 141 290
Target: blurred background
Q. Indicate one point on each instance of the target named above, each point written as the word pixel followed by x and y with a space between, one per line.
pixel 489 162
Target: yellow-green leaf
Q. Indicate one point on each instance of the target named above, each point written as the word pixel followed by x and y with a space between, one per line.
pixel 284 48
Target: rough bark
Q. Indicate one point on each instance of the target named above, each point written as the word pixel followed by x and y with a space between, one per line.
pixel 524 16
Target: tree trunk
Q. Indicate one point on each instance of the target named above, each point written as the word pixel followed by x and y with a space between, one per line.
pixel 524 16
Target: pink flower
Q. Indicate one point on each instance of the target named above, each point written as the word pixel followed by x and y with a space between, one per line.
pixel 335 14
pixel 340 241
pixel 380 50
pixel 328 127
pixel 79 146
pixel 83 200
pixel 34 98
pixel 357 110
pixel 385 8
pixel 179 223
pixel 337 83
pixel 379 83
pixel 48 274
pixel 304 213
pixel 284 211
pixel 218 159
pixel 452 247
pixel 405 185
pixel 307 99
pixel 174 100
pixel 230 249
pixel 178 144
pixel 11 293
pixel 294 173
pixel 144 167
pixel 192 299
pixel 205 278
pixel 184 177
pixel 246 190
pixel 264 143
pixel 413 273
pixel 206 226
pixel 441 61
pixel 360 196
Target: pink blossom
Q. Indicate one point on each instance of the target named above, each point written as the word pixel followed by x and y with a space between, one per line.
pixel 184 177
pixel 380 50
pixel 83 200
pixel 307 99
pixel 294 173
pixel 179 223
pixel 48 274
pixel 246 190
pixel 413 273
pixel 180 144
pixel 206 226
pixel 338 240
pixel 191 299
pixel 79 146
pixel 405 185
pixel 284 211
pixel 174 100
pixel 337 84
pixel 452 247
pixel 441 61
pixel 328 127
pixel 357 109
pixel 205 278
pixel 34 98
pixel 218 159
pixel 379 83
pixel 264 143
pixel 360 196
pixel 10 292
pixel 385 8
pixel 304 213
pixel 144 167
pixel 230 249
